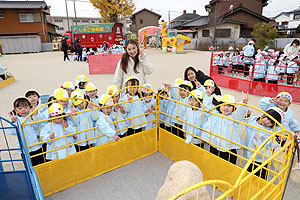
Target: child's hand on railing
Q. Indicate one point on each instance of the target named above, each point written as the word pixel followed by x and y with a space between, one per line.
pixel 51 135
pixel 152 107
pixel 116 137
pixel 166 85
pixel 65 123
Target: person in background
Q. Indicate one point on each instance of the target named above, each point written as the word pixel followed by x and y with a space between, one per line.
pixel 292 48
pixel 2 74
pixel 64 48
pixel 79 50
pixel 249 52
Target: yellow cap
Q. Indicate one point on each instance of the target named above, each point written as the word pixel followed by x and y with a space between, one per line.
pixel 79 97
pixel 131 78
pixel 286 95
pixel 81 78
pixel 228 99
pixel 69 85
pixel 148 88
pixel 55 109
pixel 105 100
pixel 196 93
pixel 90 87
pixel 60 94
pixel 186 83
pixel 177 82
pixel 112 89
pixel 209 82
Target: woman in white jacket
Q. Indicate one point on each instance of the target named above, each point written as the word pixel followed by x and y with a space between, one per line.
pixel 292 48
pixel 132 63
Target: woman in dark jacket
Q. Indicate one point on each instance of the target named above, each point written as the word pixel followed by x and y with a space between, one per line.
pixel 78 48
pixel 64 48
pixel 198 77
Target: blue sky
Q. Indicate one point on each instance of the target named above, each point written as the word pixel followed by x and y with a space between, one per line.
pixel 85 9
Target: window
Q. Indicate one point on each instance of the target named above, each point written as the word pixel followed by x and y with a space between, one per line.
pixel 26 17
pixel 141 21
pixel 127 29
pixel 205 33
pixel 223 32
pixel 85 21
pixel 60 28
pixel 76 20
pixel 93 22
pixel 1 15
pixel 128 21
pixel 58 20
pixel 297 16
pixel 285 23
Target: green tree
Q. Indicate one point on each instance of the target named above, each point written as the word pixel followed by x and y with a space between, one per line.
pixel 113 10
pixel 264 33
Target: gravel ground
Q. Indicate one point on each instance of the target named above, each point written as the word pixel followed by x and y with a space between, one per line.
pixel 47 71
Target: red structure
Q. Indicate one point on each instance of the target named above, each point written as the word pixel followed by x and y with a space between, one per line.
pixel 237 80
pixel 103 63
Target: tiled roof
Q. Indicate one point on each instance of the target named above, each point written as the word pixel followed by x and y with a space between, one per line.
pixel 23 5
pixel 186 17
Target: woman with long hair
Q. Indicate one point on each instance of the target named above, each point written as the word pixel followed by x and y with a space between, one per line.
pixel 133 63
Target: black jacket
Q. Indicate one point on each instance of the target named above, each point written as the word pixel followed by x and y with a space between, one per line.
pixel 201 77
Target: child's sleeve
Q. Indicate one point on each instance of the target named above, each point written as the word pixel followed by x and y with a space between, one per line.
pixel 13 131
pixel 105 128
pixel 174 93
pixel 202 89
pixel 119 75
pixel 265 103
pixel 69 130
pixel 93 115
pixel 294 124
pixel 45 133
pixel 148 67
pixel 127 106
pixel 240 113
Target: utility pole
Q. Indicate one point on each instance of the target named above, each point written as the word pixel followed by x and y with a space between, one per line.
pixel 67 15
pixel 169 22
pixel 75 11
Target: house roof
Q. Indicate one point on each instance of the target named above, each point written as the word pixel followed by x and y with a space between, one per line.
pixel 282 13
pixel 23 5
pixel 186 17
pixel 145 9
pixel 204 17
pixel 265 2
pixel 240 8
pixel 294 11
pixel 222 22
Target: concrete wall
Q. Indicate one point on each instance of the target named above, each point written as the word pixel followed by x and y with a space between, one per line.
pixel 235 30
pixel 280 43
pixel 21 44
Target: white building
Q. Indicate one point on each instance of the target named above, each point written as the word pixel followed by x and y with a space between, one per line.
pixel 62 23
pixel 288 21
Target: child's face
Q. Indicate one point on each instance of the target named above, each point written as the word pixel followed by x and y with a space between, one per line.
pixel 22 110
pixel 82 105
pixel 69 91
pixel 33 99
pixel 283 103
pixel 57 121
pixel 265 121
pixel 296 59
pixel 107 110
pixel 116 98
pixel 226 109
pixel 163 94
pixel 194 102
pixel 209 90
pixel 64 103
pixel 92 94
pixel 132 50
pixel 183 93
pixel 133 90
pixel 148 95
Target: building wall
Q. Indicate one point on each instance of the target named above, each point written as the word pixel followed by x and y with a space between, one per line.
pixel 11 24
pixel 293 23
pixel 245 17
pixel 282 18
pixel 235 30
pixel 148 19
pixel 222 7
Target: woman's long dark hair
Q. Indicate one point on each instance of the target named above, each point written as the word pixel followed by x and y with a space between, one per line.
pixel 295 41
pixel 186 75
pixel 125 57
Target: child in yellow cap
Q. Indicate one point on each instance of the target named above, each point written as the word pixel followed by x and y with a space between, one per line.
pixel 149 105
pixel 58 128
pixel 91 91
pixel 81 82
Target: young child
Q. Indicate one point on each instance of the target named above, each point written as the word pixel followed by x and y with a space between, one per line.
pixel 133 108
pixel 272 75
pixel 220 62
pixel 179 109
pixel 292 68
pixel 34 98
pixel 69 87
pixel 22 109
pixel 84 55
pixel 235 61
pixel 81 82
pixel 84 120
pixel 254 137
pixel 74 56
pixel 91 91
pixel 149 105
pixel 62 96
pixel 118 113
pixel 195 117
pixel 283 100
pixel 226 61
pixel 58 128
pixel 106 126
pixel 208 91
pixel 226 128
pixel 165 107
pixel 282 66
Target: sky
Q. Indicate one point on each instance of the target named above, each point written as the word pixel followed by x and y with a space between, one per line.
pixel 85 9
